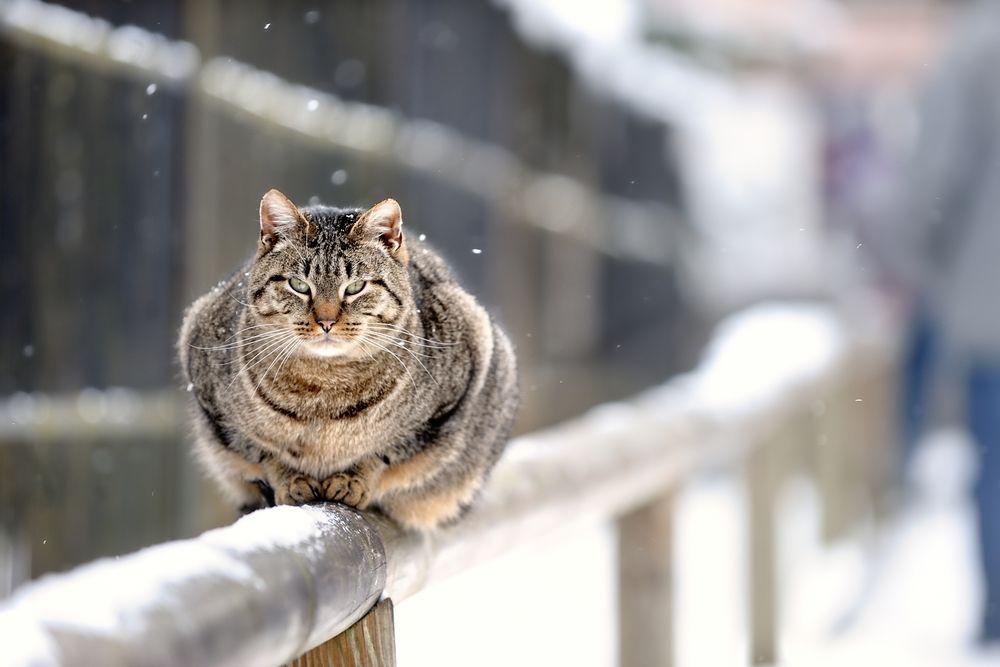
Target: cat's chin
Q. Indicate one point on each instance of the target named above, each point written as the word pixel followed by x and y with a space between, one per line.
pixel 329 348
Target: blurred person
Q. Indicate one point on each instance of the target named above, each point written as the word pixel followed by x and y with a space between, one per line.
pixel 945 248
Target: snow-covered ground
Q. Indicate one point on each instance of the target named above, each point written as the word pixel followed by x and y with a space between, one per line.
pixel 921 607
pixel 905 596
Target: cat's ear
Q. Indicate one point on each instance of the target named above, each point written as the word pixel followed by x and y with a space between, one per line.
pixel 383 221
pixel 279 217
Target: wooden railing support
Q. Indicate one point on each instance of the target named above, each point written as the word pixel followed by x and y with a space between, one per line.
pixel 645 591
pixel 371 642
pixel 762 588
pixel 839 432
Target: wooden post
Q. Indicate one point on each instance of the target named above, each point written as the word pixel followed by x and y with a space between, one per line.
pixel 368 643
pixel 833 459
pixel 762 606
pixel 645 590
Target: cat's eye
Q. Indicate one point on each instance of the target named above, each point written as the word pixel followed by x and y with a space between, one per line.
pixel 299 285
pixel 354 287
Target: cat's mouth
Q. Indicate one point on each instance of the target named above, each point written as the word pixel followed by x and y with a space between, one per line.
pixel 330 345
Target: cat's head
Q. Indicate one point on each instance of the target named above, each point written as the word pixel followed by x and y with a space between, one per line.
pixel 332 280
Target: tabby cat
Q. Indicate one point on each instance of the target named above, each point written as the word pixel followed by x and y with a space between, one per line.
pixel 343 362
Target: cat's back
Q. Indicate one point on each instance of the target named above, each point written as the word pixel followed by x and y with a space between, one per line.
pixel 427 268
pixel 210 324
pixel 446 309
pixel 476 346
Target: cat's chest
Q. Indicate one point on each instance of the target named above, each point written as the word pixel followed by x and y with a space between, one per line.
pixel 339 403
pixel 324 445
pixel 329 426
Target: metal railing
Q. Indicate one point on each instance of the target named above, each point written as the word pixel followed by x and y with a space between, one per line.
pixel 782 388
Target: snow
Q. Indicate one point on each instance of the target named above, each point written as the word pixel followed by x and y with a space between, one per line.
pixel 161 600
pixel 527 607
pixel 920 606
pixel 783 342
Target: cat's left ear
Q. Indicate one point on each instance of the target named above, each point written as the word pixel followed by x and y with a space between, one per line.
pixel 383 221
pixel 279 217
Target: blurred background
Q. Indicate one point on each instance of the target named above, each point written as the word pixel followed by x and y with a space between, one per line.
pixel 611 178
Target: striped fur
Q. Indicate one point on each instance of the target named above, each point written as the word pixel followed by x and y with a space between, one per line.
pixel 407 407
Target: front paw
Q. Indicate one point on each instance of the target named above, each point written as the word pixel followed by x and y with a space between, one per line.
pixel 298 490
pixel 348 489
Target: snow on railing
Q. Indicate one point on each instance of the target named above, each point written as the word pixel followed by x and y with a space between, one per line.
pixel 641 231
pixel 284 581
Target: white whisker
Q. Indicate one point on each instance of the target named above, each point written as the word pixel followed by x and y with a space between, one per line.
pixel 242 303
pixel 242 341
pixel 238 332
pixel 392 327
pixel 390 352
pixel 254 341
pixel 260 356
pixel 396 342
pixel 288 345
pixel 288 355
pixel 412 354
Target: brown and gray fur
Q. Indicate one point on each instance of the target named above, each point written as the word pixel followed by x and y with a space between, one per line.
pixel 410 412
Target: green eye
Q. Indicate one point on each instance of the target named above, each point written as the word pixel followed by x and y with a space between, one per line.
pixel 299 285
pixel 354 287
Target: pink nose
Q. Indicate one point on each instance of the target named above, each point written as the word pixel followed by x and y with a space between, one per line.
pixel 326 324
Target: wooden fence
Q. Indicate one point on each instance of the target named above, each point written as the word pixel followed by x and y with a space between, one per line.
pixel 782 388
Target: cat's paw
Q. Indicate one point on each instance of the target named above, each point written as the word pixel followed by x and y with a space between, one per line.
pixel 348 489
pixel 298 490
pixel 247 508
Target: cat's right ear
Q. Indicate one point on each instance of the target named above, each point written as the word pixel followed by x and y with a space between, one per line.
pixel 279 217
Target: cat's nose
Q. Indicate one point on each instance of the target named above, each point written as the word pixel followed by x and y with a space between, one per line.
pixel 326 313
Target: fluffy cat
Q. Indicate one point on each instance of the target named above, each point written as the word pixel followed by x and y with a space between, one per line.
pixel 343 362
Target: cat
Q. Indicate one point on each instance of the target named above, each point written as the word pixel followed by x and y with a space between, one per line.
pixel 343 362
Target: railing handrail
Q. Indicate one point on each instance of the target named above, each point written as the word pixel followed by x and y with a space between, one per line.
pixel 280 581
